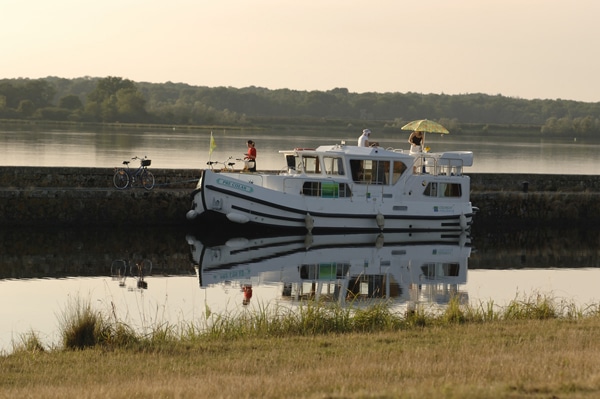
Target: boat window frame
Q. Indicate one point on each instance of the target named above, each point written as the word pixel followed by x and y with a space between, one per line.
pixel 398 169
pixel 314 161
pixel 314 188
pixel 371 171
pixel 337 165
pixel 443 189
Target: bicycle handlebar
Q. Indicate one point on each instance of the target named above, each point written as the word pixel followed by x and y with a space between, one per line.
pixel 134 158
pixel 226 164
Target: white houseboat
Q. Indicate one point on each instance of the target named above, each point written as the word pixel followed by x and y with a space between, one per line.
pixel 345 188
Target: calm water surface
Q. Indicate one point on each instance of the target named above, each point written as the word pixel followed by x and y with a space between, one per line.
pixel 42 272
pixel 176 148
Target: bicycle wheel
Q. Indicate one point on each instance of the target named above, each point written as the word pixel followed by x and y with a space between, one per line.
pixel 147 180
pixel 121 179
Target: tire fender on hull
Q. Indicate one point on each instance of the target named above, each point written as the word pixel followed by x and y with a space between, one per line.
pixel 237 218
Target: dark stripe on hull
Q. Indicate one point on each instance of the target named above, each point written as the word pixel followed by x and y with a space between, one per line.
pixel 453 220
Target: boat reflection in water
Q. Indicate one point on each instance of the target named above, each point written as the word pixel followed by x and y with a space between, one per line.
pixel 406 267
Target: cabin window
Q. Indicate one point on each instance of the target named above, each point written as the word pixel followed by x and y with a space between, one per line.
pixel 381 172
pixel 451 189
pixel 326 189
pixel 370 171
pixel 434 189
pixel 291 162
pixel 398 169
pixel 334 165
pixel 311 164
pixel 356 169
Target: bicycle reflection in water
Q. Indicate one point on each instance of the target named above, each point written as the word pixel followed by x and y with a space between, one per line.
pixel 120 269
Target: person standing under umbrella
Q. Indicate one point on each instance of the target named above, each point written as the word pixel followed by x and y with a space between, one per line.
pixel 417 140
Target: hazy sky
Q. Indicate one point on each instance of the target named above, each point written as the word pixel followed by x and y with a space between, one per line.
pixel 520 48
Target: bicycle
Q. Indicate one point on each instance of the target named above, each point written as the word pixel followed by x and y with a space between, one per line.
pixel 125 177
pixel 227 165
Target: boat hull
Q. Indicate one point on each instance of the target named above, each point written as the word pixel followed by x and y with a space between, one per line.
pixel 238 200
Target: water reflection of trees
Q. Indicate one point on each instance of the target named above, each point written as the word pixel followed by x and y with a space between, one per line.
pixel 535 248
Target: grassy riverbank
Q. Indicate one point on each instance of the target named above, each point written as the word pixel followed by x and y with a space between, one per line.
pixel 533 348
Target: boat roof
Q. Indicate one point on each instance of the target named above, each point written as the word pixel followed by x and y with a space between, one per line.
pixel 342 149
pixel 450 158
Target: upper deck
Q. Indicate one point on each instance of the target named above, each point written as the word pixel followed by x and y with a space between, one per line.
pixel 331 158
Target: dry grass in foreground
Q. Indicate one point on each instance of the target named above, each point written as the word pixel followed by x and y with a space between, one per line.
pixel 535 353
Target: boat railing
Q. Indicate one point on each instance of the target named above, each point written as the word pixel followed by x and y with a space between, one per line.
pixel 435 165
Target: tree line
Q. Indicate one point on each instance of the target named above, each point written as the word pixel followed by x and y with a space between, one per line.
pixel 115 99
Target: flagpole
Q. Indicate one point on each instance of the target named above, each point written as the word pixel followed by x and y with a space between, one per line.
pixel 212 146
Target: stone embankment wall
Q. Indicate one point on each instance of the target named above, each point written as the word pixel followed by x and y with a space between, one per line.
pixel 41 196
pixel 512 201
pixel 30 177
pixel 36 196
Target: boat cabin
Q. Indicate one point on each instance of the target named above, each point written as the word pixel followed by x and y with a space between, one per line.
pixel 346 187
pixel 373 166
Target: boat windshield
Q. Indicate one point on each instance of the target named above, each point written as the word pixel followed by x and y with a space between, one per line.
pixel 375 171
pixel 334 165
pixel 311 164
pixel 305 163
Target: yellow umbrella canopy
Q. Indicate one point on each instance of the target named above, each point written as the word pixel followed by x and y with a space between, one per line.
pixel 425 125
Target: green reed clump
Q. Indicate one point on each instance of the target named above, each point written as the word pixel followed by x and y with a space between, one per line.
pixel 536 307
pixel 377 317
pixel 485 312
pixel 459 312
pixel 321 318
pixel 162 333
pixel 417 317
pixel 81 326
pixel 310 318
pixel 118 334
pixel 454 312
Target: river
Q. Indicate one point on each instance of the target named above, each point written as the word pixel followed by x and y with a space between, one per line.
pixel 184 273
pixel 177 148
